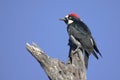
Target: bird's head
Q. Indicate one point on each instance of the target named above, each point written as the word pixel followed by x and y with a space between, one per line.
pixel 70 18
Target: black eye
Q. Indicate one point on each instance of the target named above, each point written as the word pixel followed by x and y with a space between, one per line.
pixel 69 17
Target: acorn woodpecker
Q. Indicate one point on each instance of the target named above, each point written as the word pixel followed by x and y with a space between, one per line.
pixel 79 30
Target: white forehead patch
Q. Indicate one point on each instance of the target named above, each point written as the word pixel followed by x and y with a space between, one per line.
pixel 69 21
pixel 66 16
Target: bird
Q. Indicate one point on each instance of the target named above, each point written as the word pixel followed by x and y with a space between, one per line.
pixel 80 31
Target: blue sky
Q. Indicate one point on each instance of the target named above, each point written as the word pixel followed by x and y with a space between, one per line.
pixel 37 21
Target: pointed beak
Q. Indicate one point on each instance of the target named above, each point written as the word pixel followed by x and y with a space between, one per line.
pixel 62 19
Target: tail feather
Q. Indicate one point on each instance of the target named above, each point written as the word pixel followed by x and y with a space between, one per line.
pixel 86 59
pixel 95 54
pixel 96 49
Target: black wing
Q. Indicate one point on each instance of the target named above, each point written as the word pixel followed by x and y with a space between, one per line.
pixel 81 33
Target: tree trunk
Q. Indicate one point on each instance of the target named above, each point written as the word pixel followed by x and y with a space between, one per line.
pixel 57 70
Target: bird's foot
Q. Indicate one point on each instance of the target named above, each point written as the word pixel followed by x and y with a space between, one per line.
pixel 76 50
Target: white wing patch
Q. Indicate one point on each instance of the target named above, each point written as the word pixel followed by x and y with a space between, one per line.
pixel 91 41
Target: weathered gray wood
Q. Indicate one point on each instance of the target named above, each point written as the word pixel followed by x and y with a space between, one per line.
pixel 57 70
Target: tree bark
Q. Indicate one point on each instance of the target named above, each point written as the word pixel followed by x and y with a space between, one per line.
pixel 57 70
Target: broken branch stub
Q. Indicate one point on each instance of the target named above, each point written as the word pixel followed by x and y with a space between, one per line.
pixel 57 70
